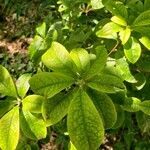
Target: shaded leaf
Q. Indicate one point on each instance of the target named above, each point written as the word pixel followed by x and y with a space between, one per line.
pixel 120 117
pixel 6 105
pixel 98 64
pixel 132 104
pixel 145 107
pixel 105 107
pixel 142 19
pixel 55 108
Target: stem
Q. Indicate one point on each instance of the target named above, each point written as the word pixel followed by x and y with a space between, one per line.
pixel 114 48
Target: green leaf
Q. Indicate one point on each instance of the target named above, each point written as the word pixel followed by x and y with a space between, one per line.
pixel 145 107
pixel 98 64
pixel 125 35
pixel 109 31
pixel 119 20
pixel 142 19
pixel 106 83
pixel 49 84
pixel 141 81
pixel 81 58
pixel 9 129
pixel 105 107
pixel 132 104
pixel 32 126
pixel 143 121
pixel 132 50
pixel 7 86
pixel 55 108
pixel 117 8
pixel 23 84
pixel 6 105
pixel 146 5
pixel 144 30
pixel 41 30
pixel 58 59
pixel 124 70
pixel 145 41
pixel 85 126
pixel 33 103
pixel 37 48
pixel 120 117
pixel 97 4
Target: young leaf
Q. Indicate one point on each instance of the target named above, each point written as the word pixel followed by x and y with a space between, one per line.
pixel 23 84
pixel 125 35
pixel 132 50
pixel 58 59
pixel 37 48
pixel 41 30
pixel 124 70
pixel 7 86
pixel 106 83
pixel 119 20
pixel 49 84
pixel 145 41
pixel 97 4
pixel 55 108
pixel 33 103
pixel 105 107
pixel 85 126
pixel 98 64
pixel 109 31
pixel 9 129
pixel 132 104
pixel 142 19
pixel 32 126
pixel 81 58
pixel 145 107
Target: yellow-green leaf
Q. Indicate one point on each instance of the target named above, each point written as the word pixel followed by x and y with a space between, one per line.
pixel 9 129
pixel 132 50
pixel 7 86
pixel 58 59
pixel 145 41
pixel 124 35
pixel 85 126
pixel 119 20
